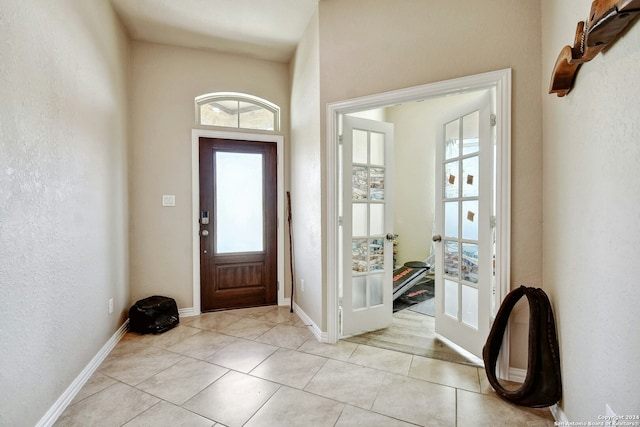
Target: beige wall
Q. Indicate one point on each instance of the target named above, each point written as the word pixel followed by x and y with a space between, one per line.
pixel 71 213
pixel 165 81
pixel 63 196
pixel 415 126
pixel 306 174
pixel 591 218
pixel 413 178
pixel 366 50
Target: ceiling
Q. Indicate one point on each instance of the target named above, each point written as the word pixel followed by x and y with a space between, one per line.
pixel 265 29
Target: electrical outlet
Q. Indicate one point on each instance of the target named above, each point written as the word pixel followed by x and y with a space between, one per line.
pixel 302 285
pixel 110 305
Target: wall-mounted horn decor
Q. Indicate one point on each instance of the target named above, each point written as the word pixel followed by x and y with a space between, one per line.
pixel 607 19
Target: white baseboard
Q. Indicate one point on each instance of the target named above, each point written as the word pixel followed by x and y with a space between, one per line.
pixel 317 332
pixel 517 375
pixel 285 302
pixel 187 312
pixel 67 397
pixel 558 414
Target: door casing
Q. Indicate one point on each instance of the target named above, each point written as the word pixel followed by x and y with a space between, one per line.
pixel 196 134
pixel 501 81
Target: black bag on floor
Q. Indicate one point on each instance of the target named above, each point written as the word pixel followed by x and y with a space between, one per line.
pixel 153 315
pixel 543 385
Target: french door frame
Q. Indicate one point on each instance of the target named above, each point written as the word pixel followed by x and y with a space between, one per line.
pixel 501 81
pixel 196 134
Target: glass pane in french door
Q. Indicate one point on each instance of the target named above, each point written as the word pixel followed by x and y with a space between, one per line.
pixel 460 194
pixel 368 218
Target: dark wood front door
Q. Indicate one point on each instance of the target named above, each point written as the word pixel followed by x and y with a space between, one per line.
pixel 238 224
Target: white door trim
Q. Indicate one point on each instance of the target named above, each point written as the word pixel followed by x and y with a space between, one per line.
pixel 501 80
pixel 196 134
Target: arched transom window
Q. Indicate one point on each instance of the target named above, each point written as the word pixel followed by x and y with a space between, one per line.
pixel 237 110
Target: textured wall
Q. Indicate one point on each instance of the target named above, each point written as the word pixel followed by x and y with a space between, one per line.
pixel 63 196
pixel 165 81
pixel 592 218
pixel 306 174
pixel 366 50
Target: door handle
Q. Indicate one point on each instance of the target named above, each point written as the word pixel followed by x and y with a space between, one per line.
pixel 205 233
pixel 390 237
pixel 437 238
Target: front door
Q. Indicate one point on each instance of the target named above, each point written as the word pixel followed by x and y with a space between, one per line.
pixel 238 224
pixel 464 225
pixel 366 231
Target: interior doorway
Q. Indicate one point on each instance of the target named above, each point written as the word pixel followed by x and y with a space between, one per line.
pixel 414 216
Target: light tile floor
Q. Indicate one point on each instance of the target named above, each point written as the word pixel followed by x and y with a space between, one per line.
pixel 263 367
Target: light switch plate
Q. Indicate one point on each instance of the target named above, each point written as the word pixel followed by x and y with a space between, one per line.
pixel 168 200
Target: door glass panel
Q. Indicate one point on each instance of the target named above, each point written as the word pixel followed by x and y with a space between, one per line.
pixel 451 258
pixel 376 251
pixel 376 281
pixel 469 269
pixel 470 175
pixel 359 255
pixel 239 202
pixel 360 146
pixel 471 133
pixel 451 298
pixel 376 219
pixel 452 139
pixel 360 184
pixel 377 184
pixel 470 220
pixel 451 219
pixel 463 210
pixel 470 306
pixel 451 180
pixel 359 290
pixel 377 148
pixel 359 217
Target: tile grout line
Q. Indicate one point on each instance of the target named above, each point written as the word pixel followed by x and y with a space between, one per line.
pixel 350 356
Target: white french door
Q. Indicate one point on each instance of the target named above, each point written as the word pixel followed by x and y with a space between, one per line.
pixel 463 232
pixel 366 234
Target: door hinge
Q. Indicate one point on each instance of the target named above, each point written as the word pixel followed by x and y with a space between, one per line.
pixel 278 284
pixel 340 139
pixel 340 221
pixel 493 120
